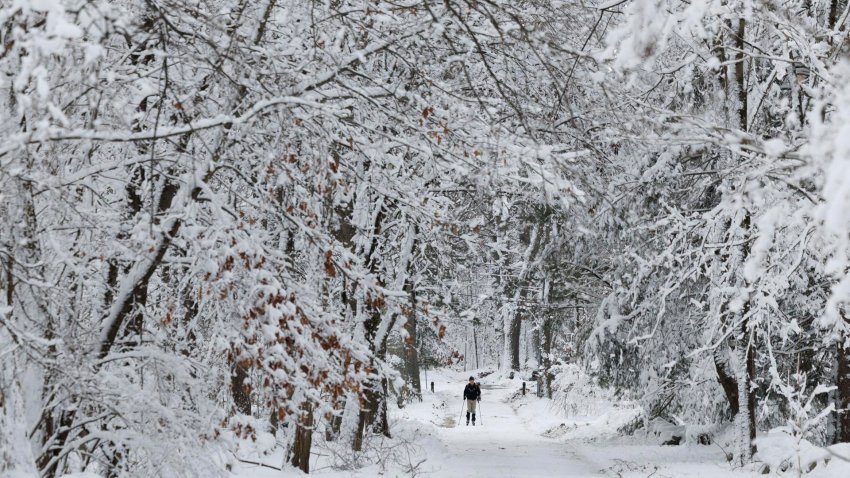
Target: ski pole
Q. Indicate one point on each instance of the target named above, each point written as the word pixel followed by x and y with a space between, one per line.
pixel 480 414
pixel 460 418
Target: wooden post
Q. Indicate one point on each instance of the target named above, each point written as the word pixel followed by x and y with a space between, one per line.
pixel 523 388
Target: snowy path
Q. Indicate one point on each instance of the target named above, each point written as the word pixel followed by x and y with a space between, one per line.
pixel 503 446
pixel 509 442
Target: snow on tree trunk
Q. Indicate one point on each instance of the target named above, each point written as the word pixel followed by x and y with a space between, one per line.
pixel 411 354
pixel 16 458
pixel 240 387
pixel 745 418
pixel 842 395
pixel 303 441
pixel 514 332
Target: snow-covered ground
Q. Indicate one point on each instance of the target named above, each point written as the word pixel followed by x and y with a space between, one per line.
pixel 527 437
pixel 501 445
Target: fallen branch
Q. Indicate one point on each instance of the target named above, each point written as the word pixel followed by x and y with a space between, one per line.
pixel 259 464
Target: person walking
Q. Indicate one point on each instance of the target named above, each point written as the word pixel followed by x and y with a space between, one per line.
pixel 472 394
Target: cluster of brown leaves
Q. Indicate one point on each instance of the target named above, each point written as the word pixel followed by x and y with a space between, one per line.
pixel 376 301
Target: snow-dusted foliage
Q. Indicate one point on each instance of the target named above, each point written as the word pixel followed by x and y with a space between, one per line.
pixel 225 208
pixel 729 298
pixel 226 219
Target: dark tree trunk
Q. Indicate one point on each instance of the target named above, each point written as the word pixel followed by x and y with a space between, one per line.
pixel 533 236
pixel 834 10
pixel 375 388
pixel 381 423
pixel 740 78
pixel 536 342
pixel 842 393
pixel 240 388
pixel 411 343
pixel 303 440
pixel 48 462
pixel 411 354
pixel 127 309
pixel 515 332
pixel 370 414
pixel 744 345
pixel 727 381
pixel 548 339
pixel 190 306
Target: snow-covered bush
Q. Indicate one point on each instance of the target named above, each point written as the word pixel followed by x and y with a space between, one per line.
pixel 576 393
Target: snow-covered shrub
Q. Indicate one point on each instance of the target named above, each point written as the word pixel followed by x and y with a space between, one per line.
pixel 402 454
pixel 782 451
pixel 576 393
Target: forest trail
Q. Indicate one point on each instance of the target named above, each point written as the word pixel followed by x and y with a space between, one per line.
pixel 519 437
pixel 501 446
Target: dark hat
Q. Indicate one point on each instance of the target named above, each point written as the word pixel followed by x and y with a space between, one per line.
pixel 472 378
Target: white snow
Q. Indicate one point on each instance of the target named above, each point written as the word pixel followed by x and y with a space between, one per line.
pixel 527 436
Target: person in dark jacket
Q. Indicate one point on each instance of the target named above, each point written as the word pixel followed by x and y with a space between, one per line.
pixel 472 394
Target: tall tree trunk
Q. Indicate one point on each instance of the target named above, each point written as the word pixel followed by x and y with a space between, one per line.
pixel 411 354
pixel 514 336
pixel 370 414
pixel 746 417
pixel 536 346
pixel 746 372
pixel 750 372
pixel 56 419
pixel 842 431
pixel 548 338
pixel 533 237
pixel 124 308
pixel 740 78
pixel 536 339
pixel 475 342
pixel 375 387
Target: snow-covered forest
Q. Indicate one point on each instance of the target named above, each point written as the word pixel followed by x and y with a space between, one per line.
pixel 234 230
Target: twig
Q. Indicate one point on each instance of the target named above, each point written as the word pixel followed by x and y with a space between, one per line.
pixel 259 464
